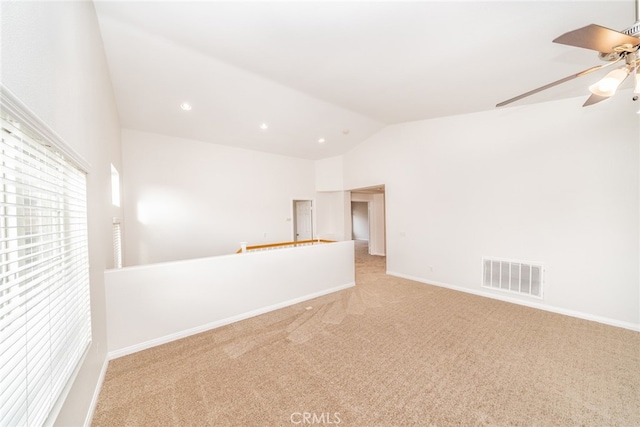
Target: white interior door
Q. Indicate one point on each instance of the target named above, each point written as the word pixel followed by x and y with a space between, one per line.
pixel 304 221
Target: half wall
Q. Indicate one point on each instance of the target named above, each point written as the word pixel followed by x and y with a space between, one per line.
pixel 155 304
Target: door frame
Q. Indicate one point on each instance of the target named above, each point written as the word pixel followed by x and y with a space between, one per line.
pixel 293 218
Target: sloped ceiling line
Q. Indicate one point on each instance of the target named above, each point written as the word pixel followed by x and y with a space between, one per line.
pixel 314 70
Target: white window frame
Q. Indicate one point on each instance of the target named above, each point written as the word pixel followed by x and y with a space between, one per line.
pixel 45 318
pixel 115 186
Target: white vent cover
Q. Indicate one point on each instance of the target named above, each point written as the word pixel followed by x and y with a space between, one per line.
pixel 521 277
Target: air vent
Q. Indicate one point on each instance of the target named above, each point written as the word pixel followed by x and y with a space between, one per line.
pixel 519 277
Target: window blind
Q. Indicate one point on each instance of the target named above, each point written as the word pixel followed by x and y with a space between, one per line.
pixel 45 319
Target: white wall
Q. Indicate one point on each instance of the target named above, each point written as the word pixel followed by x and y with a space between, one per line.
pixel 188 199
pixel 553 183
pixel 330 221
pixel 53 61
pixel 331 199
pixel 153 304
pixel 329 174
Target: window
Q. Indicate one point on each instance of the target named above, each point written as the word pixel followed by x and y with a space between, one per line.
pixel 117 243
pixel 45 320
pixel 115 186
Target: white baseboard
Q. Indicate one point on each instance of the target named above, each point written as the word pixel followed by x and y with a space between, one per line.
pixel 183 334
pixel 532 304
pixel 96 393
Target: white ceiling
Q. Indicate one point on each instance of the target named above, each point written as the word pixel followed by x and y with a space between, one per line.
pixel 320 69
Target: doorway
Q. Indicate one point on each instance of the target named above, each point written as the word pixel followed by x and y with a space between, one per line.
pixel 360 221
pixel 302 220
pixel 373 200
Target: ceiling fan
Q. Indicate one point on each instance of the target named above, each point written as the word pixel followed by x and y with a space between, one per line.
pixel 614 47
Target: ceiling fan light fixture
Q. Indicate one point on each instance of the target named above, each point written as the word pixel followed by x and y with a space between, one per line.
pixel 608 85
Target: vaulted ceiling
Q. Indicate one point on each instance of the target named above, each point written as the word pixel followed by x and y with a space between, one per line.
pixel 336 70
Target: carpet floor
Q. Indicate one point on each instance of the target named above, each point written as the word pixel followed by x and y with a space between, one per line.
pixel 388 352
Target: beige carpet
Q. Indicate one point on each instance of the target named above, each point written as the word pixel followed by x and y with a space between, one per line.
pixel 389 352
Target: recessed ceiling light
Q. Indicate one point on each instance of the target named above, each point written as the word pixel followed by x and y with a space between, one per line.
pixel 185 106
pixel 321 141
pixel 264 126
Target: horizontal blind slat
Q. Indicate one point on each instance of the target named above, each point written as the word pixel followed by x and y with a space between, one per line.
pixel 50 268
pixel 63 244
pixel 22 169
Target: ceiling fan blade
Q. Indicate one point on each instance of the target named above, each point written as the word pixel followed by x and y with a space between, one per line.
pixel 595 37
pixel 594 99
pixel 557 82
